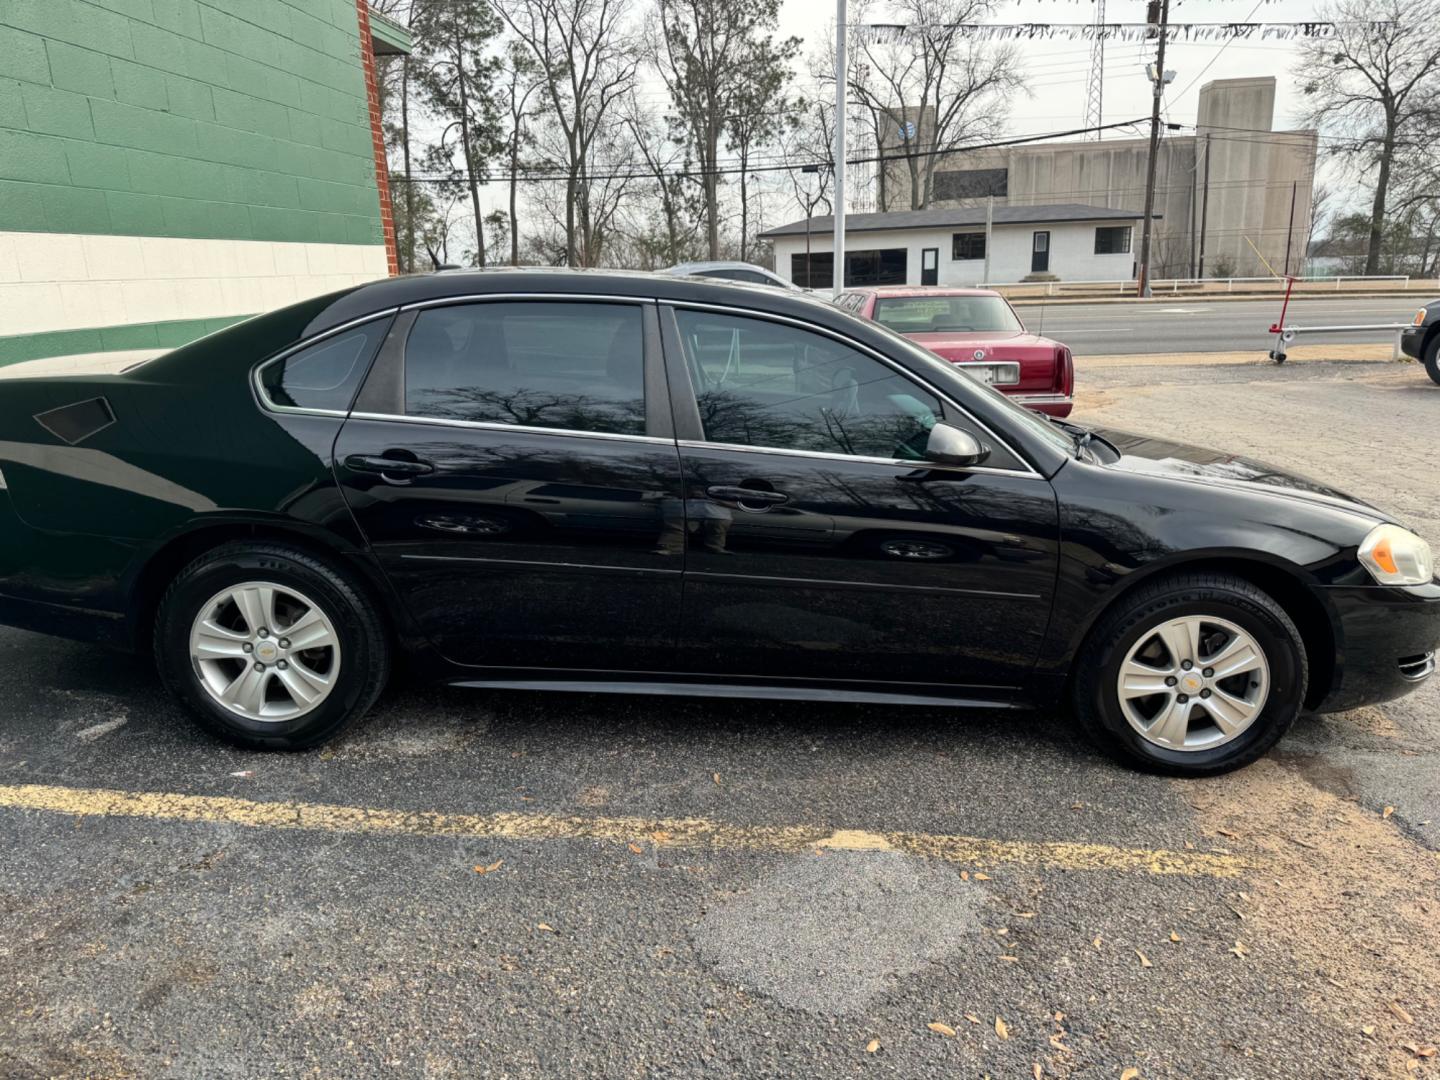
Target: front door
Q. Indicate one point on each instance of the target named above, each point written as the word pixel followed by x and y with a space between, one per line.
pixel 816 546
pixel 1040 253
pixel 512 468
pixel 930 266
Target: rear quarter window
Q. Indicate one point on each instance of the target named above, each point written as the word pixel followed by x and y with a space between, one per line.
pixel 325 375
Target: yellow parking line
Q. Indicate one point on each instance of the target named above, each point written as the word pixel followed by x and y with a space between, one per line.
pixel 668 832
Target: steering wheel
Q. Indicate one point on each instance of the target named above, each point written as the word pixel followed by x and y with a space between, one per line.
pixel 844 393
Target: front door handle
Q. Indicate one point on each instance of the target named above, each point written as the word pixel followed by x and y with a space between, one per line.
pixel 388 467
pixel 747 495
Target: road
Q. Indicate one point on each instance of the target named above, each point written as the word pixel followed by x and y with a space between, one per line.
pixel 689 888
pixel 1117 329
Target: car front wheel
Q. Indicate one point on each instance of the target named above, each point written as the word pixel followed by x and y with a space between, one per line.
pixel 1193 675
pixel 1432 359
pixel 270 647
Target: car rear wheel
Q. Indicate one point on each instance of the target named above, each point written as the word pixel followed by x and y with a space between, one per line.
pixel 270 647
pixel 1432 358
pixel 1194 675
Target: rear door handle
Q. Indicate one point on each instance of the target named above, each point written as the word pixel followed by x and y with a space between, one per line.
pixel 745 494
pixel 388 466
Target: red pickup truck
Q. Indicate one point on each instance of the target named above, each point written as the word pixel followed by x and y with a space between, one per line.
pixel 978 330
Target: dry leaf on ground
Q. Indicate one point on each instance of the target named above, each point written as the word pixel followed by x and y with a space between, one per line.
pixel 1144 960
pixel 637 849
pixel 972 1018
pixel 1037 1071
pixel 1399 1011
pixel 872 1046
pixel 1001 1028
pixel 546 927
pixel 1240 950
pixel 1174 936
pixel 941 1029
pixel 1387 811
pixel 491 868
pixel 1131 1073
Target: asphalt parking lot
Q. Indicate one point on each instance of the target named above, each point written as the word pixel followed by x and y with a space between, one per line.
pixel 518 885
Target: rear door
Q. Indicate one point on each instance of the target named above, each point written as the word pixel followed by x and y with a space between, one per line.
pixel 512 463
pixel 818 548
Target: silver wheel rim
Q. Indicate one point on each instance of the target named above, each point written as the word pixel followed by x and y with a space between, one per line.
pixel 265 652
pixel 1193 683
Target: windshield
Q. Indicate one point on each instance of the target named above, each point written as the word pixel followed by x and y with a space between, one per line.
pixel 1032 421
pixel 939 314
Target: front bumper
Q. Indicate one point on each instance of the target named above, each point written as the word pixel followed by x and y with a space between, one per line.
pixel 1413 340
pixel 1057 405
pixel 1386 642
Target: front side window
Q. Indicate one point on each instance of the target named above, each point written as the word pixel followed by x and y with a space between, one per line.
pixel 1112 240
pixel 942 314
pixel 967 245
pixel 577 366
pixel 327 374
pixel 767 384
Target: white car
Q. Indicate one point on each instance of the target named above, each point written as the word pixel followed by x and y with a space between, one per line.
pixel 733 271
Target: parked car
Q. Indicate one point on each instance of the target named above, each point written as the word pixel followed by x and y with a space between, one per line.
pixel 978 330
pixel 640 483
pixel 733 271
pixel 1422 339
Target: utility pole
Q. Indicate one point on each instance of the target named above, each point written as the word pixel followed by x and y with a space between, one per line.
pixel 1290 232
pixel 1204 209
pixel 989 228
pixel 838 277
pixel 1159 80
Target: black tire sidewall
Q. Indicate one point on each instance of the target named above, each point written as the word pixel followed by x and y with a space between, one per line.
pixel 354 624
pixel 1276 638
pixel 1431 360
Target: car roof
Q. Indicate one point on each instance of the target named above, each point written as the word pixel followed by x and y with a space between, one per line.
pixel 377 296
pixel 718 264
pixel 921 290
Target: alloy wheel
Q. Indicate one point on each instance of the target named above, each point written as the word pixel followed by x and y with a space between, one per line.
pixel 265 651
pixel 1193 683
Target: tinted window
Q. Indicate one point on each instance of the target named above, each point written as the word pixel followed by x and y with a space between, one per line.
pixel 967 245
pixel 327 374
pixel 1112 240
pixel 760 383
pixel 562 365
pixel 941 314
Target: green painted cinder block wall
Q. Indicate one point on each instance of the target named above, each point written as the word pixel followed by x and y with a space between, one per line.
pixel 213 119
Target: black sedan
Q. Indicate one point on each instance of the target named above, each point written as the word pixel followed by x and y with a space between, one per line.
pixel 647 484
pixel 1421 339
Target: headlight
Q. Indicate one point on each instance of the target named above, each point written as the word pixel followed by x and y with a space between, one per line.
pixel 1396 556
pixel 1420 317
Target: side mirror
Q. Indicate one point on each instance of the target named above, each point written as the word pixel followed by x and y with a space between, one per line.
pixel 950 446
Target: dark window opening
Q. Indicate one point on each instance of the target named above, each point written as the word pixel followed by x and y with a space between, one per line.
pixel 327 374
pixel 887 266
pixel 577 366
pixel 968 245
pixel 1112 240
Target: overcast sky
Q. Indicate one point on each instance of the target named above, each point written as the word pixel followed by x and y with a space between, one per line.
pixel 1057 70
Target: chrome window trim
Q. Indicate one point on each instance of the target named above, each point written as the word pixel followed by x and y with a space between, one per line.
pixel 555 297
pixel 823 455
pixel 486 425
pixel 1026 470
pixel 257 386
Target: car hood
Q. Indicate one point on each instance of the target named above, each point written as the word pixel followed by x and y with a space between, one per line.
pixel 1162 457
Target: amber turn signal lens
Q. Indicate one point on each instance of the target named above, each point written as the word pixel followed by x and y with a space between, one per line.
pixel 1419 316
pixel 1384 557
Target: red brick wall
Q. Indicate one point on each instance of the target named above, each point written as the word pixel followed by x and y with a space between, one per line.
pixel 377 132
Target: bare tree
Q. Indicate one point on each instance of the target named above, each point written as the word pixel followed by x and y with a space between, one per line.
pixel 723 67
pixel 457 74
pixel 933 74
pixel 587 58
pixel 808 150
pixel 665 161
pixel 1372 85
pixel 520 84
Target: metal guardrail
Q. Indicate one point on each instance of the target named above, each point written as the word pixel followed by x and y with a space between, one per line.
pixel 1286 334
pixel 1175 285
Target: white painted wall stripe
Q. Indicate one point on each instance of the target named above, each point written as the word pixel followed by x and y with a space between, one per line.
pixel 70 281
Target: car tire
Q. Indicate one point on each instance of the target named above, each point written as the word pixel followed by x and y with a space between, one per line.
pixel 1224 615
pixel 1432 358
pixel 301 696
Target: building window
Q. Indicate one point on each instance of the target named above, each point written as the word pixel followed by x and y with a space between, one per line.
pixel 1112 240
pixel 880 267
pixel 968 245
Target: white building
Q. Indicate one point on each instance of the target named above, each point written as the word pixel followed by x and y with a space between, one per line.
pixel 947 246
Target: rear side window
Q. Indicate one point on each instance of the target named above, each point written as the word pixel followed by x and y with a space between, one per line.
pixel 327 374
pixel 577 366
